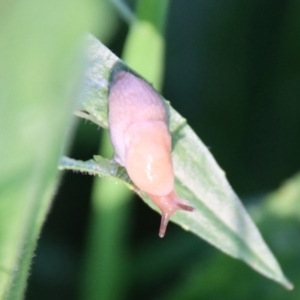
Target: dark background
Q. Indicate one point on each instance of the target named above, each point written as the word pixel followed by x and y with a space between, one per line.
pixel 233 70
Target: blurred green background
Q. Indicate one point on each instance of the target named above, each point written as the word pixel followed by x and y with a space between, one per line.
pixel 232 68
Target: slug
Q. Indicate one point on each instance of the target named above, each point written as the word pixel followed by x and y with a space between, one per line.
pixel 141 139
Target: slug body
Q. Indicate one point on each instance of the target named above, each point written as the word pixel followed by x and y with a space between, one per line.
pixel 142 142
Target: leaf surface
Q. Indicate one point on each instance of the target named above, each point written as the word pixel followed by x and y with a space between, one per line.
pixel 220 218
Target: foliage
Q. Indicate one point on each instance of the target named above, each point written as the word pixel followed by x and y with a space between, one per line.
pixel 41 83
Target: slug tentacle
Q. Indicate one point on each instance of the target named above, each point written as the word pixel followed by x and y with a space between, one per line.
pixel 139 132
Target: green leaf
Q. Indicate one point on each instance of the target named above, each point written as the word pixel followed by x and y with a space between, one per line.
pixel 145 41
pixel 98 166
pixel 220 217
pixel 41 67
pixel 285 202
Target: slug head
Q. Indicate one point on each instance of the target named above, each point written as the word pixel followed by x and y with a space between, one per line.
pixel 168 205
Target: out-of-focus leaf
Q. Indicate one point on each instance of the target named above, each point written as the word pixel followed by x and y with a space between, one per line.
pixel 145 41
pixel 285 202
pixel 220 218
pixel 107 20
pixel 40 72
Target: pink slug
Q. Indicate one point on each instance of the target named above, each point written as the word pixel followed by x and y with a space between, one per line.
pixel 142 142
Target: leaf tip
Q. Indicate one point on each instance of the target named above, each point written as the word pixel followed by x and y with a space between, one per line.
pixel 288 285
